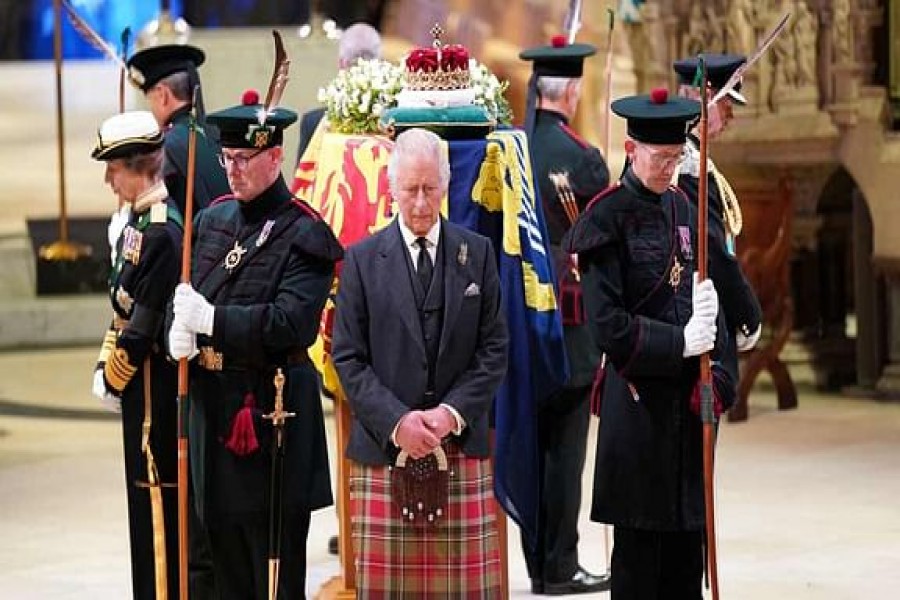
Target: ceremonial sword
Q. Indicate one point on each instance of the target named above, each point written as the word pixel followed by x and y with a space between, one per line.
pixel 278 416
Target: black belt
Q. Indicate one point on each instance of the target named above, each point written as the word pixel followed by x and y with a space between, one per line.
pixel 211 360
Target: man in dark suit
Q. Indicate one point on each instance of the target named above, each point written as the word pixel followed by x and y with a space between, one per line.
pixel 167 75
pixel 420 345
pixel 569 172
pixel 359 41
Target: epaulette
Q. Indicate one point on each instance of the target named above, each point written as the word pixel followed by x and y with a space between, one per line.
pixel 160 212
pixel 222 198
pixel 602 195
pixel 306 208
pixel 572 134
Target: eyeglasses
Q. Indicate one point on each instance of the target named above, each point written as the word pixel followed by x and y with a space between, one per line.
pixel 241 161
pixel 664 160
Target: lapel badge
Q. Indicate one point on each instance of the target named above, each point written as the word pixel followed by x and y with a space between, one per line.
pixel 264 234
pixel 234 256
pixel 675 273
pixel 131 244
pixel 463 256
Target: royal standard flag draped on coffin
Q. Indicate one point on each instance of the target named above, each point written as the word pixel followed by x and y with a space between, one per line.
pixel 491 192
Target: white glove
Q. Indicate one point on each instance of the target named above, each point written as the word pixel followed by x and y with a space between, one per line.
pixel 700 331
pixel 99 387
pixel 744 342
pixel 192 309
pixel 109 401
pixel 699 337
pixel 705 300
pixel 182 341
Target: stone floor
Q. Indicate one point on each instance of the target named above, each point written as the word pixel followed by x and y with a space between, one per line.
pixel 807 499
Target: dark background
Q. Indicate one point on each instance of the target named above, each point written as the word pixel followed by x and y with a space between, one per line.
pixel 26 26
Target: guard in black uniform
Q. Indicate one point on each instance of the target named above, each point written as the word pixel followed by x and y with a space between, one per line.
pixel 637 250
pixel 742 311
pixel 133 374
pixel 568 172
pixel 167 75
pixel 263 265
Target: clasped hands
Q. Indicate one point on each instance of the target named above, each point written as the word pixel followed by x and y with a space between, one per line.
pixel 700 330
pixel 193 315
pixel 421 431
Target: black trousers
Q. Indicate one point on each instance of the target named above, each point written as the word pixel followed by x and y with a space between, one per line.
pixel 562 441
pixel 140 522
pixel 653 565
pixel 240 551
pixel 201 578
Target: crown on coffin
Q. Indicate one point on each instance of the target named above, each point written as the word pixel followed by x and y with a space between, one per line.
pixel 439 67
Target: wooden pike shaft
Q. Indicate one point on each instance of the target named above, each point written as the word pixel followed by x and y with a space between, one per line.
pixel 607 76
pixel 183 365
pixel 707 414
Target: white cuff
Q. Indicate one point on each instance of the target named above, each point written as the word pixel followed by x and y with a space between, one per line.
pixel 460 422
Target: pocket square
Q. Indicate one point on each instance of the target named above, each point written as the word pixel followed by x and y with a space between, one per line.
pixel 472 290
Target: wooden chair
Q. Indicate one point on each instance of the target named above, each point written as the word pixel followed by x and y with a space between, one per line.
pixel 764 251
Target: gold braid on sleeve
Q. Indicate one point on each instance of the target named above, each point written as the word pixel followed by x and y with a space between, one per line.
pixel 731 210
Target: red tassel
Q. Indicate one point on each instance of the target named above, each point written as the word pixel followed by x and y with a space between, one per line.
pixel 242 440
pixel 695 400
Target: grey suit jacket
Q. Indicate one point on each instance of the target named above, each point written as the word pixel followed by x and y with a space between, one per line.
pixel 379 350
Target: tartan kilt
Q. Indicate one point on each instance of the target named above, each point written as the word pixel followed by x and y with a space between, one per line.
pixel 458 558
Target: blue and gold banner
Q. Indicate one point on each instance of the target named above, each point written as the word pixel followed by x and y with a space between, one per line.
pixel 492 192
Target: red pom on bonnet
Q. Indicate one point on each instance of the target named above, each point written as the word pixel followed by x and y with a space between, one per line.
pixel 659 95
pixel 250 97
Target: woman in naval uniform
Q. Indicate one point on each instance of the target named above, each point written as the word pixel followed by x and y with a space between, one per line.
pixel 133 374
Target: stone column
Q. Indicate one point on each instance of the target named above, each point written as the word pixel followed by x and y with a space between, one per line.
pixel 864 287
pixel 889 383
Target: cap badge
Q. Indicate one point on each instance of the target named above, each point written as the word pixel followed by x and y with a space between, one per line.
pixel 136 76
pixel 259 135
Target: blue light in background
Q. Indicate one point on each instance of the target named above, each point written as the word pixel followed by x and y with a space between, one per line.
pixel 107 17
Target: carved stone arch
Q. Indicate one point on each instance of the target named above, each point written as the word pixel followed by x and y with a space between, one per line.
pixel 837 291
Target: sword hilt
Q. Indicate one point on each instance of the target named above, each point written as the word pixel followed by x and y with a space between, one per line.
pixel 278 415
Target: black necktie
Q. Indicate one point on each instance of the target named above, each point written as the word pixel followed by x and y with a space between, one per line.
pixel 424 266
